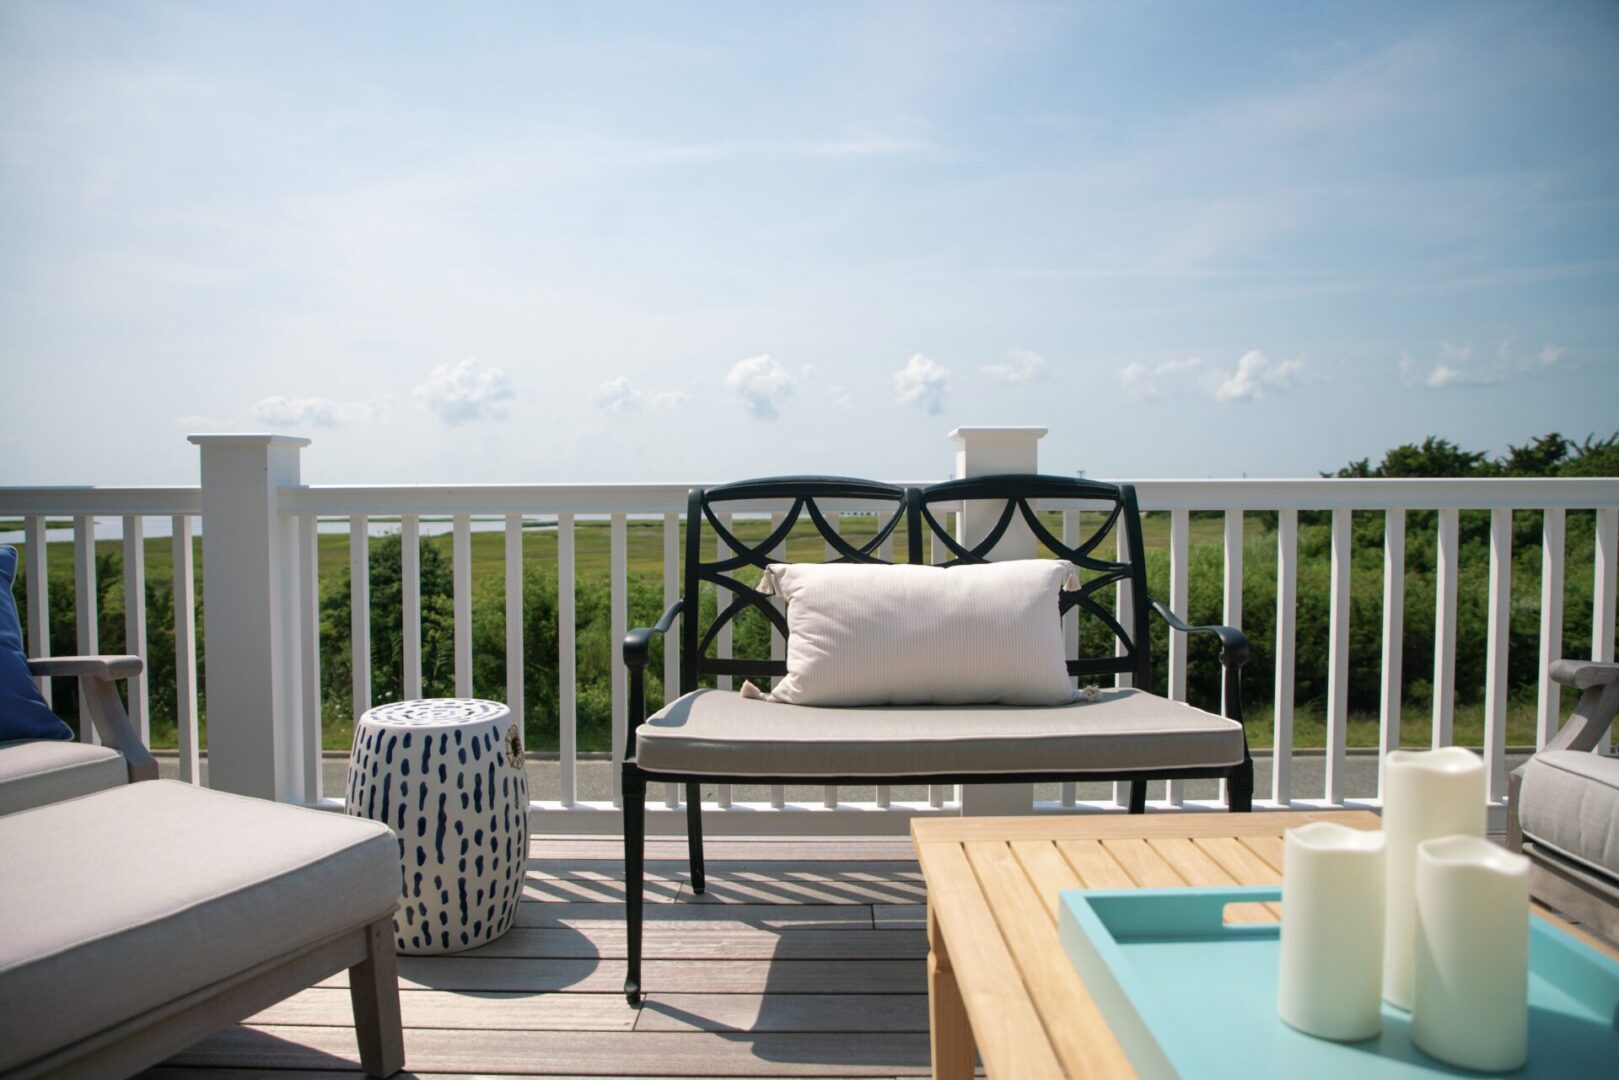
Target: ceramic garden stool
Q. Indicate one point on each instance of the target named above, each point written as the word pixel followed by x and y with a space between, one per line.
pixel 446 774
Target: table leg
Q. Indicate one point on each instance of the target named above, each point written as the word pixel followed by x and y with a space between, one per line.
pixel 950 1031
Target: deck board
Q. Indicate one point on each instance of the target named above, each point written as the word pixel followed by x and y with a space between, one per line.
pixel 806 957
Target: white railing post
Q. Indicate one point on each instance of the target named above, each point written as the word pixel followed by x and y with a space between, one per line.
pixel 250 596
pixel 1548 704
pixel 39 598
pixel 984 451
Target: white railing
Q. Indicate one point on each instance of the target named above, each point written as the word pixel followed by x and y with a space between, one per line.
pixel 291 632
pixel 174 508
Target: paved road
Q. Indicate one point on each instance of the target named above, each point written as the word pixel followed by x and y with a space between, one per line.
pixel 595 780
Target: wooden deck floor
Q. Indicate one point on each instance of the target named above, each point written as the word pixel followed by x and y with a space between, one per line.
pixel 807 957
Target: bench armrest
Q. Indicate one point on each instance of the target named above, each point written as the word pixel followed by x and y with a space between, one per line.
pixel 638 642
pixel 98 676
pixel 99 667
pixel 1233 642
pixel 637 648
pixel 1594 712
pixel 1584 674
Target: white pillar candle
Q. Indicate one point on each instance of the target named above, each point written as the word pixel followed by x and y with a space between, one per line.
pixel 1426 794
pixel 1471 977
pixel 1331 977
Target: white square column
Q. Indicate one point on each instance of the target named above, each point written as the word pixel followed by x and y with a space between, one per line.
pixel 250 616
pixel 988 451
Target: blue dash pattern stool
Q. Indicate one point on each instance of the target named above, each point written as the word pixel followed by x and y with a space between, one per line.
pixel 446 775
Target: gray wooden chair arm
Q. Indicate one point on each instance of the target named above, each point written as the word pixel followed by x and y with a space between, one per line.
pixel 1584 674
pixel 98 676
pixel 1599 701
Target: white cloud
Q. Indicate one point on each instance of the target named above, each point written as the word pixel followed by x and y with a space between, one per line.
pixel 618 396
pixel 465 390
pixel 922 383
pixel 1255 377
pixel 1144 382
pixel 279 411
pixel 1455 367
pixel 1550 353
pixel 840 398
pixel 1019 366
pixel 760 381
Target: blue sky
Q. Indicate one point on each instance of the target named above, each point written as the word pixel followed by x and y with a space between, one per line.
pixel 689 242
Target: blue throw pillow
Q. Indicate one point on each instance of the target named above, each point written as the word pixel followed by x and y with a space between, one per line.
pixel 23 713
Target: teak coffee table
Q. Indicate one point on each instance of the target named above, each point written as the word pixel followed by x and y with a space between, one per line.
pixel 998 978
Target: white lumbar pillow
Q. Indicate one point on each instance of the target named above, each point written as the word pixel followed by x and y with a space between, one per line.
pixel 868 634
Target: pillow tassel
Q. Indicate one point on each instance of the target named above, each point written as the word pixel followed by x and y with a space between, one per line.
pixel 753 693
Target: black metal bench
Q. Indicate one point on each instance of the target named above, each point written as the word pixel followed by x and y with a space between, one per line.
pixel 678 744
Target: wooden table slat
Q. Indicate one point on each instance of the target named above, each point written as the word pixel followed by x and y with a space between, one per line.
pixel 1095 867
pixel 1047 870
pixel 1010 1037
pixel 1072 1020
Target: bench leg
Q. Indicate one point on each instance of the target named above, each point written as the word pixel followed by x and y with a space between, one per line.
pixel 1240 787
pixel 634 854
pixel 1138 796
pixel 374 992
pixel 694 836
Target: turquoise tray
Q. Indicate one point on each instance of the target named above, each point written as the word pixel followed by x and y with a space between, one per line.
pixel 1189 996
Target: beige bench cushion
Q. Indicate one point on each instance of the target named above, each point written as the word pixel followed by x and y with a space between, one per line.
pixel 721 733
pixel 35 772
pixel 1570 803
pixel 120 901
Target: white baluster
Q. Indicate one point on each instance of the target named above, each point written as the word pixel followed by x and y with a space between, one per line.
pixel 671 640
pixel 85 608
pixel 1495 673
pixel 778 647
pixel 140 707
pixel 1124 612
pixel 1231 597
pixel 410 575
pixel 1338 658
pixel 185 648
pixel 360 611
pixel 1605 583
pixel 618 587
pixel 829 794
pixel 723 638
pixel 1068 791
pixel 514 624
pixel 885 551
pixel 461 569
pixel 1444 636
pixel 1549 706
pixel 567 666
pixel 1179 526
pixel 1287 587
pixel 39 596
pixel 1388 725
pixel 309 651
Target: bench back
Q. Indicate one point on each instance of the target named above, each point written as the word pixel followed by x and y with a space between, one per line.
pixel 912 517
pixel 796 498
pixel 1012 499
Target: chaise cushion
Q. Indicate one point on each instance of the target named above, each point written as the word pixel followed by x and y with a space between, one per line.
pixel 39 771
pixel 719 733
pixel 124 900
pixel 1569 803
